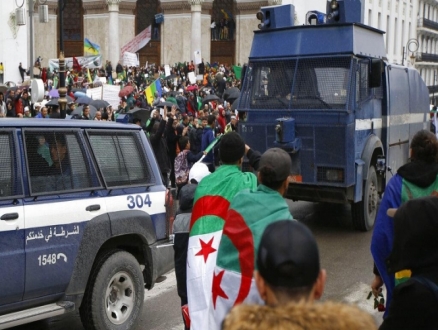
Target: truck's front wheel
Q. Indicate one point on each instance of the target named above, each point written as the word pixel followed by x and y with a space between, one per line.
pixel 364 212
pixel 115 293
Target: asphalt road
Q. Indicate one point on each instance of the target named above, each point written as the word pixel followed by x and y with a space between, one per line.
pixel 344 254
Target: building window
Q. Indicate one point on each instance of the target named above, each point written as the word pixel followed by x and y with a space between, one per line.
pixel 223 25
pixel 146 11
pixel 73 16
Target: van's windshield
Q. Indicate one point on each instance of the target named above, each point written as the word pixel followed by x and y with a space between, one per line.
pixel 310 83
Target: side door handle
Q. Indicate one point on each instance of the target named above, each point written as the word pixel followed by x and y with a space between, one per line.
pixel 90 208
pixel 9 216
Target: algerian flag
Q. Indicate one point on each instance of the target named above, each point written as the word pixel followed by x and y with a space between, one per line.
pixel 212 199
pixel 249 214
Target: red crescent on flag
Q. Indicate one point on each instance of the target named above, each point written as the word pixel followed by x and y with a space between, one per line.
pixel 241 236
pixel 209 205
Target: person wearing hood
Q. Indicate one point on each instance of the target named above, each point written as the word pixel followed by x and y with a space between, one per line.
pixel 221 119
pixel 418 178
pixel 414 262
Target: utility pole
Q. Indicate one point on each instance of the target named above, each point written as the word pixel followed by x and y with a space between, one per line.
pixel 31 37
pixel 62 101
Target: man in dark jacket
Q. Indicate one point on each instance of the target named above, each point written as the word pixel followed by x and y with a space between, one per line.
pixel 195 136
pixel 156 129
pixel 207 138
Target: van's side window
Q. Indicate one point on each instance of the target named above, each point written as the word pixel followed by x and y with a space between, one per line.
pixel 120 158
pixel 56 162
pixel 10 184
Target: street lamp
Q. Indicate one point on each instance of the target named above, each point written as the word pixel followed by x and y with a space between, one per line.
pixel 411 46
pixel 62 101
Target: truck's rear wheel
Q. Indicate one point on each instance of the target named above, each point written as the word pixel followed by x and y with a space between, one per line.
pixel 115 293
pixel 364 212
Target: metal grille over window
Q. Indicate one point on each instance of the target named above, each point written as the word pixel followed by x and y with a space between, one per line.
pixel 362 85
pixel 120 159
pixel 57 163
pixel 310 83
pixel 10 184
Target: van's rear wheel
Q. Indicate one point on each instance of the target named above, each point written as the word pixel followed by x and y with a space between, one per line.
pixel 115 293
pixel 364 212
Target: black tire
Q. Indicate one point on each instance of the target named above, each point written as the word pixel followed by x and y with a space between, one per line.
pixel 364 212
pixel 117 281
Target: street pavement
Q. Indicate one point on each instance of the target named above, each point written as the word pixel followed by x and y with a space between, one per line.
pixel 344 254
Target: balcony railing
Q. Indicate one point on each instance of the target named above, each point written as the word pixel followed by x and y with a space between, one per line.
pixel 426 57
pixel 427 23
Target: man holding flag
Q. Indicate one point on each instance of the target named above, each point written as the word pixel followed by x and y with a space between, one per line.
pixel 249 214
pixel 212 199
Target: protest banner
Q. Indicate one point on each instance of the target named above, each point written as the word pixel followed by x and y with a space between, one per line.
pixel 95 93
pixel 138 42
pixel 167 70
pixel 89 62
pixel 130 59
pixel 111 95
pixel 198 58
pixel 192 77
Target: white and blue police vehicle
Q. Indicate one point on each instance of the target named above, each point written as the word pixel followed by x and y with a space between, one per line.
pixel 83 222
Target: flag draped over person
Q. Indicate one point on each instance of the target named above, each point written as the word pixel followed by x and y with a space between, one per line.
pixel 212 199
pixel 249 214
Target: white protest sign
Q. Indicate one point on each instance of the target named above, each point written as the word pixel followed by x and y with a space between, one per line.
pixel 198 58
pixel 95 93
pixel 192 77
pixel 102 80
pixel 200 77
pixel 167 70
pixel 111 95
pixel 130 59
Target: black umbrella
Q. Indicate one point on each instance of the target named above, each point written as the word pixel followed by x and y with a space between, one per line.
pixel 210 97
pixel 99 103
pixel 83 90
pixel 235 104
pixel 231 91
pixel 167 104
pixel 172 76
pixel 84 100
pixel 78 111
pixel 172 93
pixel 232 97
pixel 140 113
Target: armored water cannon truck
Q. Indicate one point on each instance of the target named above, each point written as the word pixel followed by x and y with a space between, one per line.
pixel 326 94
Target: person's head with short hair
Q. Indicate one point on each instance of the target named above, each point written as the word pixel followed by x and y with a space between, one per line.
pixel 98 116
pixel 58 149
pixel 211 120
pixel 137 121
pixel 274 169
pixel 105 116
pixel 288 264
pixel 184 143
pixel 86 111
pixel 204 122
pixel 44 112
pixel 232 149
pixel 424 147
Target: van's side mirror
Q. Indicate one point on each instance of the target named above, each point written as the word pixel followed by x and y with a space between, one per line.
pixel 376 69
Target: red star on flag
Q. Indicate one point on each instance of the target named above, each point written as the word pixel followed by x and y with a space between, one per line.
pixel 206 249
pixel 217 290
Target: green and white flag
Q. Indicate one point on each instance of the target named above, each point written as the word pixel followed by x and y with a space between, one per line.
pixel 212 199
pixel 249 214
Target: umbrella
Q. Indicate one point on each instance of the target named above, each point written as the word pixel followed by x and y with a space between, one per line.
pixel 173 93
pixel 84 100
pixel 81 90
pixel 3 88
pixel 232 97
pixel 235 104
pixel 166 104
pixel 172 76
pixel 10 84
pixel 99 103
pixel 55 101
pixel 192 88
pixel 210 97
pixel 231 91
pixel 140 113
pixel 79 93
pixel 126 91
pixel 54 93
pixel 78 111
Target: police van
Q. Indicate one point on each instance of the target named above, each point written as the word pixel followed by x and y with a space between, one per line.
pixel 83 222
